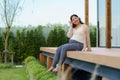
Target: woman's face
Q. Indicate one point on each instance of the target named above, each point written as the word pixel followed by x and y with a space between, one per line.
pixel 75 20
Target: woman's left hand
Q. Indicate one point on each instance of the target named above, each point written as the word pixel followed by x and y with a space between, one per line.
pixel 88 49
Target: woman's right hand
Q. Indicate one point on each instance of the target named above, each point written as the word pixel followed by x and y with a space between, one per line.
pixel 86 49
pixel 70 23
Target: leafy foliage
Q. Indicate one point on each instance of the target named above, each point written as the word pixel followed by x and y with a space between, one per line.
pixel 1 43
pixel 29 58
pixel 11 42
pixel 56 37
pixel 93 35
pixel 8 65
pixel 39 72
pixel 27 41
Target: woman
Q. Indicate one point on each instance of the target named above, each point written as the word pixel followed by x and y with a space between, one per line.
pixel 79 40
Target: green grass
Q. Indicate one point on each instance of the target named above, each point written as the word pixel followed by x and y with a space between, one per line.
pixel 13 74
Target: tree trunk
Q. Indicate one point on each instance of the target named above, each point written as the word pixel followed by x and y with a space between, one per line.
pixel 0 56
pixel 8 18
pixel 6 45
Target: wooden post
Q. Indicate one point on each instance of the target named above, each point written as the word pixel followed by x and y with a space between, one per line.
pixel 49 62
pixel 42 58
pixel 87 12
pixel 108 23
pixel 108 26
pixel 66 67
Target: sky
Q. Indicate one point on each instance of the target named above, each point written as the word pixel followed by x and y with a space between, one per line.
pixel 43 12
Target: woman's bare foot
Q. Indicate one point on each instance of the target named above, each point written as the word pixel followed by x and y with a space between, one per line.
pixel 51 69
pixel 55 69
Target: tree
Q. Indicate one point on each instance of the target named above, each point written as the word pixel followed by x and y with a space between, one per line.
pixel 93 35
pixel 20 45
pixel 57 37
pixel 1 42
pixel 8 10
pixel 61 36
pixel 39 39
pixel 1 46
pixel 52 38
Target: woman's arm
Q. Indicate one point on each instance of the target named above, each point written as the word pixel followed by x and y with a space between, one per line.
pixel 86 39
pixel 70 31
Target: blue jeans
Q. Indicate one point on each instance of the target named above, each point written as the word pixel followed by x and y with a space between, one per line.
pixel 60 55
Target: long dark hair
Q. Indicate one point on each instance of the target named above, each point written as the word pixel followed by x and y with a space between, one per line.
pixel 75 16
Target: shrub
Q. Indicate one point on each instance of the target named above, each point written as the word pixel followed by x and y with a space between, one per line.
pixel 38 71
pixel 8 65
pixel 56 37
pixel 93 35
pixel 28 59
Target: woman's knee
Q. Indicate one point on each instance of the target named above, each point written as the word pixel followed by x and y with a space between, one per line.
pixel 65 48
pixel 59 48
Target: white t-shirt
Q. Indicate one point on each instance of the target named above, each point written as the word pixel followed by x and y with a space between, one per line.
pixel 80 34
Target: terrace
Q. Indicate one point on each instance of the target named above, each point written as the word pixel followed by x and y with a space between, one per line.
pixel 104 60
pixel 102 63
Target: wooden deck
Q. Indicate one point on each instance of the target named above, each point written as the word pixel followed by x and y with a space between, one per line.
pixel 103 56
pixel 108 58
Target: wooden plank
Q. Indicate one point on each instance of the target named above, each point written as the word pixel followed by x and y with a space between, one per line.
pixel 49 49
pixel 111 61
pixel 49 62
pixel 103 56
pixel 42 58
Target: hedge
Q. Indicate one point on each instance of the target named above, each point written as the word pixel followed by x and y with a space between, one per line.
pixel 37 71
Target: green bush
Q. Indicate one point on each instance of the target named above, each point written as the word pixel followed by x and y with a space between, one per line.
pixel 27 41
pixel 8 65
pixel 56 37
pixel 93 35
pixel 1 44
pixel 28 59
pixel 39 71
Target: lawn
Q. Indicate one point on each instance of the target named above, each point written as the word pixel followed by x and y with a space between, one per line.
pixel 13 74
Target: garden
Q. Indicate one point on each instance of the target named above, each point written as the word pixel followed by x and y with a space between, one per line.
pixel 25 43
pixel 20 45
